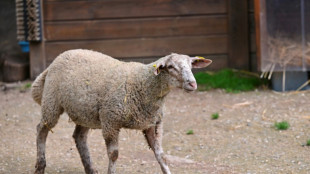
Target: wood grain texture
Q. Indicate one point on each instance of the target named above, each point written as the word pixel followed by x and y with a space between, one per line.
pixel 251 6
pixel 238 30
pixel 37 58
pixel 218 62
pixel 257 11
pixel 252 33
pixel 37 55
pixel 156 47
pixel 95 9
pixel 133 28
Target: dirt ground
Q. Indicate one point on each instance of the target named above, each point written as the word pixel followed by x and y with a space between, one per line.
pixel 242 140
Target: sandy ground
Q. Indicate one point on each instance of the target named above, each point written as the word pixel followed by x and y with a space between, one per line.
pixel 242 140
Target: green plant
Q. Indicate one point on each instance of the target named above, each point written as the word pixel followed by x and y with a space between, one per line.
pixel 232 81
pixel 308 143
pixel 284 125
pixel 27 85
pixel 215 116
pixel 190 132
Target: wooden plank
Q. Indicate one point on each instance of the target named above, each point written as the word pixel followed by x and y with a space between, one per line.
pixel 15 69
pixel 218 62
pixel 252 43
pixel 252 33
pixel 259 8
pixel 132 28
pixel 253 58
pixel 77 10
pixel 37 58
pixel 251 6
pixel 238 43
pixel 130 48
pixel 37 54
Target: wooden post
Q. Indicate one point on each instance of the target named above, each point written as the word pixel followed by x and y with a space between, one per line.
pixel 37 51
pixel 238 34
pixel 37 58
pixel 261 28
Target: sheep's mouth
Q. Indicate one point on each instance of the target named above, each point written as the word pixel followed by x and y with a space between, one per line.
pixel 188 90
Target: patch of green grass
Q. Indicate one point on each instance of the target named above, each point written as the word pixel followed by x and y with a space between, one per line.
pixel 232 81
pixel 27 85
pixel 190 132
pixel 308 143
pixel 284 125
pixel 215 116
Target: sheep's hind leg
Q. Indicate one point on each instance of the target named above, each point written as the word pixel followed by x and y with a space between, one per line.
pixel 153 136
pixel 50 116
pixel 80 137
pixel 111 140
pixel 42 132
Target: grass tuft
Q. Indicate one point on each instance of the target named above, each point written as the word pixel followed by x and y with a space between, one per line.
pixel 284 125
pixel 27 85
pixel 308 143
pixel 233 81
pixel 215 116
pixel 190 132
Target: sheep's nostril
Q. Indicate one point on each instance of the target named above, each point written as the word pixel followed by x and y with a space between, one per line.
pixel 193 84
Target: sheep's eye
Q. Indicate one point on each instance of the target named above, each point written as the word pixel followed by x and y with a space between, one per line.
pixel 170 67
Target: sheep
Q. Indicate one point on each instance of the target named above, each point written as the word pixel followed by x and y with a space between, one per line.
pixel 100 92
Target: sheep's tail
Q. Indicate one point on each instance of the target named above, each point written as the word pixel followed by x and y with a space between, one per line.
pixel 38 86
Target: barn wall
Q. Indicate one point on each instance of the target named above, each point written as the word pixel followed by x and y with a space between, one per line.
pixel 139 30
pixel 252 37
pixel 11 57
pixel 8 44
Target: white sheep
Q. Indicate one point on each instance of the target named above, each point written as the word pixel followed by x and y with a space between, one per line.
pixel 100 92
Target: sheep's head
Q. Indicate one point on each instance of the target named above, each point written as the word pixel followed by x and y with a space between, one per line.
pixel 179 67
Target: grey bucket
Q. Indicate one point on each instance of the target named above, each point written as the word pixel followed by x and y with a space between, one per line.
pixel 293 80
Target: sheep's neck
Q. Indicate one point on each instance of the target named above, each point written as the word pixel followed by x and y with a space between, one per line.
pixel 160 86
pixel 157 85
pixel 146 86
pixel 146 90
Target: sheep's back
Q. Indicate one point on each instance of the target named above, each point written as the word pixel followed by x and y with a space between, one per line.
pixel 81 80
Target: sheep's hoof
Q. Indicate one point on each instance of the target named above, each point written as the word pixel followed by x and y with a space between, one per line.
pixel 93 171
pixel 40 166
pixel 39 171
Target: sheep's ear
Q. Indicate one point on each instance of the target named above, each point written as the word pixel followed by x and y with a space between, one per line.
pixel 200 62
pixel 158 67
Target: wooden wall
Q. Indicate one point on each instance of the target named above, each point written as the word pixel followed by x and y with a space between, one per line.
pixel 144 30
pixel 252 37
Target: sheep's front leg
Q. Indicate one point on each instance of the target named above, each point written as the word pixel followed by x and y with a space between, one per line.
pixel 153 136
pixel 111 141
pixel 80 137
